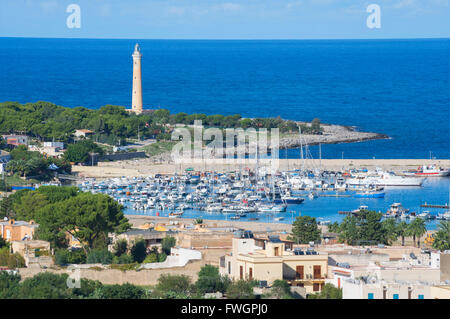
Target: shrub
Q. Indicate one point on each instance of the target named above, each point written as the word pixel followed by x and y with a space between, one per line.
pixel 102 256
pixel 139 251
pixel 167 243
pixel 11 260
pixel 151 258
pixel 65 256
pixel 210 280
pixel 241 289
pixel 120 247
pixel 173 287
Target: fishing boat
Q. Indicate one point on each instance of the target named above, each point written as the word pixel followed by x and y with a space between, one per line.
pixel 396 210
pixel 429 171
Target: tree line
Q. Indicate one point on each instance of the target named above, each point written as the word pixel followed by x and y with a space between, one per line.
pixel 113 124
pixel 368 228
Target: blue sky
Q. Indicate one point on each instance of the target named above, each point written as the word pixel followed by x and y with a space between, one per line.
pixel 225 19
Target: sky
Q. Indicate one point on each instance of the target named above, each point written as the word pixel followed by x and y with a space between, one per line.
pixel 226 19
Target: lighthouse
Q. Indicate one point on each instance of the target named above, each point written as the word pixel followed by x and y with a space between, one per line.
pixel 136 101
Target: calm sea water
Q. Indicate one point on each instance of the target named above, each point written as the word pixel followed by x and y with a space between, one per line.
pixel 397 87
pixel 433 191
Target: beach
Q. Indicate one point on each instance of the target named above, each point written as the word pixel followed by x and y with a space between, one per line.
pixel 255 226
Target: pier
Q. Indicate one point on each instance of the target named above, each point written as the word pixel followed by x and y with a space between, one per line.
pixel 434 206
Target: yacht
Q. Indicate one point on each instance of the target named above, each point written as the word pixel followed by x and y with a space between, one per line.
pixel 385 179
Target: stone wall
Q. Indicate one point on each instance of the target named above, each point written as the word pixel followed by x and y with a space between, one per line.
pixel 122 156
pixel 145 277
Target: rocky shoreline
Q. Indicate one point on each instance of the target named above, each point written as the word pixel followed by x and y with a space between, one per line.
pixel 332 134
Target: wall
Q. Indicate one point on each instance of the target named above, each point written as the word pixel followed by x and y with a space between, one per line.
pixel 445 266
pixel 145 277
pixel 122 156
pixel 440 292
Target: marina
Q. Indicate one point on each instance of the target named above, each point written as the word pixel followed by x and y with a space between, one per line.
pixel 257 196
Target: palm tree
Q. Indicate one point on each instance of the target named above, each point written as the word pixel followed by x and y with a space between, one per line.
pixel 402 231
pixel 442 236
pixel 417 229
pixel 444 226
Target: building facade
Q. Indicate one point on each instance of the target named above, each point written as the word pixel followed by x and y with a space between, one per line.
pixel 248 260
pixel 11 230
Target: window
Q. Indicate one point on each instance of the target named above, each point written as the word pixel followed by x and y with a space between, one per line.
pixel 229 267
pixel 317 272
pixel 395 296
pixel 241 272
pixel 316 287
pixel 421 297
pixel 276 251
pixel 299 272
pixel 250 273
pixel 370 295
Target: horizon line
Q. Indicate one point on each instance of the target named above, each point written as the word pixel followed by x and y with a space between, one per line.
pixel 227 39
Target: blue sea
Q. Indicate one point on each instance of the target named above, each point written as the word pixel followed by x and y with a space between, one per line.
pixel 397 87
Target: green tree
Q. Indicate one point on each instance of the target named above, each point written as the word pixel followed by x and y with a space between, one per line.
pixel 167 243
pixel 364 228
pixel 281 289
pixel 241 289
pixel 173 287
pixel 315 126
pixel 210 280
pixel 11 260
pixel 66 256
pixel 29 204
pixel 402 231
pixel 87 288
pixel 329 291
pixel 45 285
pixel 139 250
pixel 86 216
pixel 416 229
pixel 120 247
pixel 333 227
pixel 102 256
pixel 9 285
pixel 390 227
pixel 3 243
pixel 442 236
pixel 79 152
pixel 304 230
pixel 125 291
